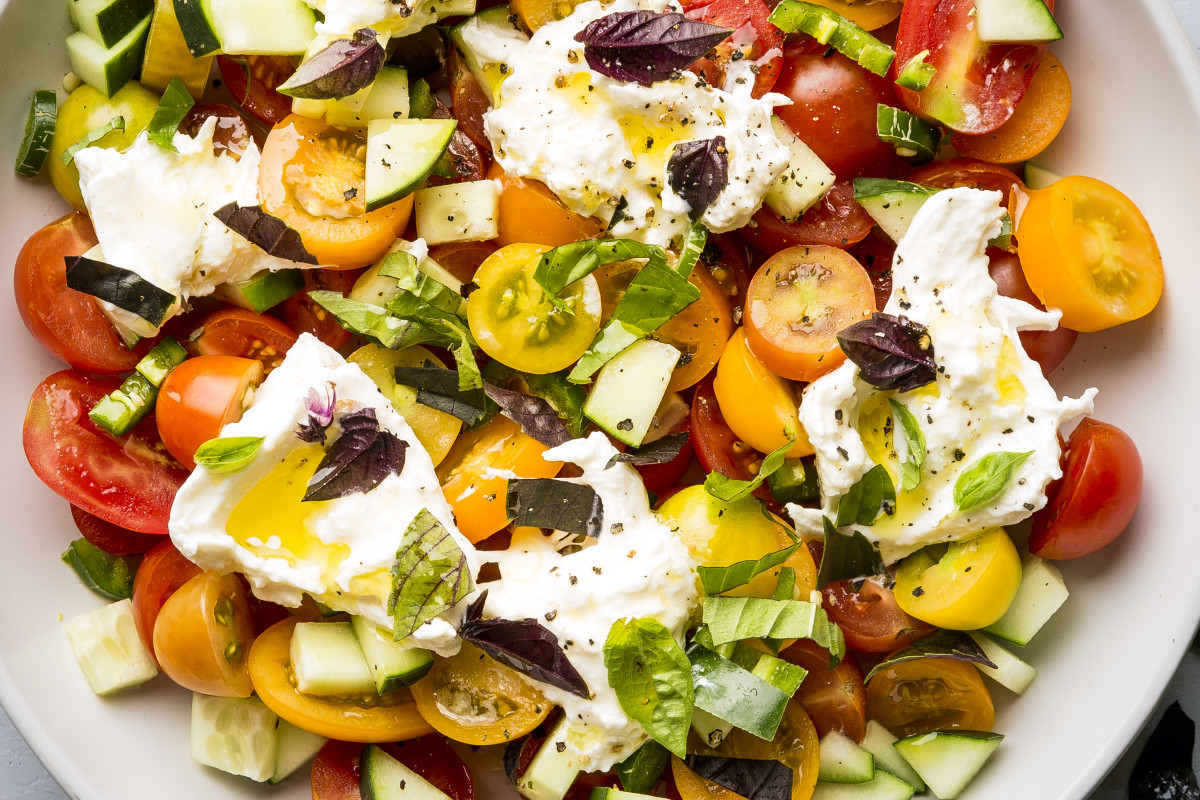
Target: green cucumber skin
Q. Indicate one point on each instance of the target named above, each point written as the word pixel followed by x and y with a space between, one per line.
pixel 39 132
pixel 197 29
pixel 113 22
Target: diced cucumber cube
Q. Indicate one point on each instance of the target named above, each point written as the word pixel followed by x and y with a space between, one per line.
pixel 948 760
pixel 400 155
pixel 327 660
pixel 892 204
pixel 554 767
pixel 1039 177
pixel 884 786
pixel 392 663
pixel 263 290
pixel 386 98
pixel 804 182
pixel 108 69
pixel 109 651
pixel 1041 593
pixel 385 778
pixel 294 747
pixel 458 212
pixel 235 735
pixel 108 21
pixel 1010 672
pixel 1015 22
pixel 843 761
pixel 629 388
pixel 881 744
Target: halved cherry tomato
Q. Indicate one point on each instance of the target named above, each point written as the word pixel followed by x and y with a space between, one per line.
pixel 232 134
pixel 1048 348
pixel 378 718
pixel 335 771
pixel 718 448
pixel 529 212
pixel 799 301
pixel 930 694
pixel 462 259
pixel 201 396
pixel 476 700
pixel 516 323
pixel 834 698
pixel 725 258
pixel 758 405
pixel 304 315
pixel 472 474
pixel 834 109
pixel 67 323
pixel 869 616
pixel 129 480
pixel 162 571
pixel 973 174
pixel 112 538
pixel 242 333
pixel 1086 249
pixel 468 160
pixel 967 587
pixel 875 254
pixel 837 221
pixel 1034 124
pixel 867 16
pixel 434 759
pixel 1095 499
pixel 252 81
pixel 750 22
pixel 203 634
pixel 468 100
pixel 313 177
pixel 977 86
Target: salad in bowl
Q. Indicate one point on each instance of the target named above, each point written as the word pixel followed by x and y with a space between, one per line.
pixel 628 399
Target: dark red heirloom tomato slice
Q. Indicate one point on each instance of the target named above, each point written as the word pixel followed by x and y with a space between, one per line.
pixel 162 571
pixel 835 698
pixel 304 315
pixel 467 100
pixel 129 481
pixel 836 221
pixel 252 81
pixel 232 134
pixel 750 21
pixel 977 86
pixel 67 323
pixel 335 771
pixel 434 759
pixel 112 538
pixel 238 332
pixel 469 160
pixel 661 477
pixel 870 618
pixel 1048 348
pixel 462 259
pixel 1095 499
pixel 716 446
pixel 970 173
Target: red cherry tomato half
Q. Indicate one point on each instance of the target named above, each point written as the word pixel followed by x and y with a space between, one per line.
pixel 335 771
pixel 303 315
pixel 467 100
pixel 971 173
pixel 868 615
pixel 232 134
pixel 1048 348
pixel 1095 499
pixel 67 323
pixel 242 333
pixel 835 698
pixel 836 221
pixel 252 81
pixel 129 480
pixel 201 396
pixel 162 571
pixel 750 21
pixel 716 446
pixel 875 254
pixel 468 159
pixel 725 257
pixel 462 259
pixel 434 759
pixel 112 538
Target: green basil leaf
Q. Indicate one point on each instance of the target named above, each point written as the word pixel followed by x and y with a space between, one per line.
pixel 559 268
pixel 372 322
pixel 565 397
pixel 399 265
pixel 175 104
pixel 986 479
pixel 940 644
pixel 652 678
pixel 873 494
pixel 847 556
pixel 785 584
pixel 731 619
pixel 114 124
pixel 717 580
pixel 914 440
pixel 450 330
pixel 731 490
pixel 105 574
pixel 437 387
pixel 429 575
pixel 229 454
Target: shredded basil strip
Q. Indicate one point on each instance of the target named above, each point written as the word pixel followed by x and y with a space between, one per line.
pixel 871 495
pixel 731 490
pixel 114 124
pixel 175 104
pixel 913 458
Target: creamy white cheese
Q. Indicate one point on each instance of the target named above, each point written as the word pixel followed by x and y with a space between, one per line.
pixel 635 568
pixel 339 551
pixel 153 212
pixel 989 396
pixel 594 140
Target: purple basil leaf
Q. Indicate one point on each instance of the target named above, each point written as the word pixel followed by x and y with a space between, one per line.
pixel 320 415
pixel 660 451
pixel 942 644
pixel 270 234
pixel 646 46
pixel 698 172
pixel 430 575
pixel 890 352
pixel 536 417
pixel 525 645
pixel 359 460
pixel 573 508
pixel 752 779
pixel 340 70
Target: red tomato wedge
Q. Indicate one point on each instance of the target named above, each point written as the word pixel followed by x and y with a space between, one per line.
pixel 129 481
pixel 836 221
pixel 238 332
pixel 112 538
pixel 977 85
pixel 750 22
pixel 252 81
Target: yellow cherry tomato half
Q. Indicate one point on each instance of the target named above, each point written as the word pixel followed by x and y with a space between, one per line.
pixel 516 323
pixel 718 533
pixel 474 699
pixel 313 177
pixel 930 694
pixel 968 587
pixel 392 717
pixel 759 406
pixel 203 634
pixel 1086 249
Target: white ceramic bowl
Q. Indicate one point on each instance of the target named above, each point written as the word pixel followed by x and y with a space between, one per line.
pixel 1103 660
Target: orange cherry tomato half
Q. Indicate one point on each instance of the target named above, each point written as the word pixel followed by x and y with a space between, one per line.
pixel 798 302
pixel 203 634
pixel 530 213
pixel 930 694
pixel 313 177
pixel 391 717
pixel 760 407
pixel 1086 249
pixel 163 570
pixel 201 396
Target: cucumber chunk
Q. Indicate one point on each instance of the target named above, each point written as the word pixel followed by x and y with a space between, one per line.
pixel 948 760
pixel 108 21
pixel 235 735
pixel 1015 22
pixel 912 136
pixel 457 212
pixel 246 27
pixel 884 786
pixel 392 664
pixel 916 72
pixel 118 411
pixel 1010 672
pixel 844 761
pixel 110 653
pixel 262 290
pixel 400 155
pixel 385 778
pixel 1041 593
pixel 554 767
pixel 805 181
pixel 892 204
pixel 167 55
pixel 294 747
pixel 327 660
pixel 829 27
pixel 39 131
pixel 880 742
pixel 108 69
pixel 386 98
pixel 1039 177
pixel 629 388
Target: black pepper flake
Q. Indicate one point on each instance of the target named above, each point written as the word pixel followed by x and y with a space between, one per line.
pixel 1029 506
pixel 959 455
pixel 842 452
pixel 837 414
pixel 560 746
pixel 616 527
pixel 550 615
pixel 917 592
pixel 573 580
pixel 1007 430
pixel 625 425
pixel 598 570
pixel 967 568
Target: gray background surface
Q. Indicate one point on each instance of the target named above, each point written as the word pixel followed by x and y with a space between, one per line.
pixel 23 776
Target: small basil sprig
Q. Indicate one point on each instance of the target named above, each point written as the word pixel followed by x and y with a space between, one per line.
pixel 698 171
pixel 941 644
pixel 914 441
pixel 890 352
pixel 229 454
pixel 985 480
pixel 646 46
pixel 175 104
pixel 871 495
pixel 429 576
pixel 847 556
pixel 652 678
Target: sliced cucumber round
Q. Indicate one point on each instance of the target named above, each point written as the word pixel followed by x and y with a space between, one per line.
pixel 39 131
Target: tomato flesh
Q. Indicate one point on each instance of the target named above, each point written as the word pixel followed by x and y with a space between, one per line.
pixel 749 20
pixel 242 333
pixel 834 698
pixel 201 396
pixel 930 694
pixel 112 538
pixel 203 634
pixel 870 617
pixel 836 221
pixel 1048 348
pixel 161 573
pixel 252 81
